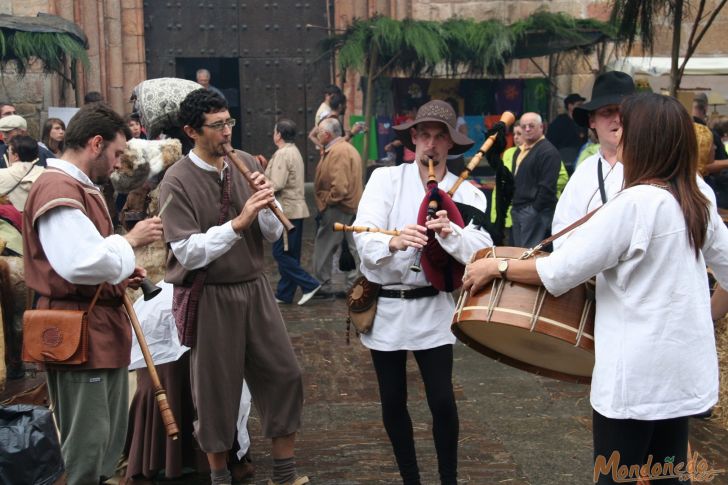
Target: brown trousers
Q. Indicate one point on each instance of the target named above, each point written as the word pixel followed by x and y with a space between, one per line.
pixel 241 334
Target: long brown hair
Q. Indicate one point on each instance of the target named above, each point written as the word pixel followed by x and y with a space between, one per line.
pixel 55 146
pixel 658 143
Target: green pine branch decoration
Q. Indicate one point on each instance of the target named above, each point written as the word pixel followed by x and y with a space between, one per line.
pixel 416 47
pixel 52 49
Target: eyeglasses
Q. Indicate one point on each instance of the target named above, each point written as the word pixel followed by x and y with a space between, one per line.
pixel 220 125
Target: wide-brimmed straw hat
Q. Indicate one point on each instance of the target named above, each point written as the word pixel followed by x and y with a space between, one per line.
pixel 609 88
pixel 439 112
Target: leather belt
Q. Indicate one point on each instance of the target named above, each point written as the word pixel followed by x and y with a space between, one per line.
pixel 421 292
pixel 107 302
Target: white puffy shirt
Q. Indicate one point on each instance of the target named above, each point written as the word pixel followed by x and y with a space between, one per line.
pixel 654 341
pixel 581 194
pixel 391 200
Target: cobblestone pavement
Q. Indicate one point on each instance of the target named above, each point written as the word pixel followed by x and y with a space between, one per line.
pixel 515 428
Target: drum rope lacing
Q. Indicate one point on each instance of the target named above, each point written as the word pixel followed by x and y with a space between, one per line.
pixel 496 292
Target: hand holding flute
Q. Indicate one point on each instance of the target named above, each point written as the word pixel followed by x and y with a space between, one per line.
pixel 413 235
pixel 261 199
pixel 258 182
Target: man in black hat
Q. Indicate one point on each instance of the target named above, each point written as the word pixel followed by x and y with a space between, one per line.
pixel 565 134
pixel 411 314
pixel 599 177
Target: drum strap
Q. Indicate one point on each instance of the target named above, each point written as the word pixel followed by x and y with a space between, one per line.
pixel 662 184
pixel 600 175
pixel 567 229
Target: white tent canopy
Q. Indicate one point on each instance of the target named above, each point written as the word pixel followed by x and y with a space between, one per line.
pixel 659 66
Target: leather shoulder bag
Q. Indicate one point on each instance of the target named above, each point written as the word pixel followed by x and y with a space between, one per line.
pixel 58 337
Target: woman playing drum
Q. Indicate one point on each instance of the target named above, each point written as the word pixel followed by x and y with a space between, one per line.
pixel 656 361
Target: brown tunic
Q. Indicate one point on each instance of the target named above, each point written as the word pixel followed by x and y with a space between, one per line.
pixel 109 345
pixel 195 208
pixel 240 331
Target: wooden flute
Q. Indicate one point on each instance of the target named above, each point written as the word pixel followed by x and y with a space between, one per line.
pixel 240 165
pixel 508 118
pixel 343 227
pixel 160 394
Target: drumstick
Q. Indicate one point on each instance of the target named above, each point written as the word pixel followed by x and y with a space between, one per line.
pixel 343 227
pixel 165 205
pixel 149 289
pixel 508 118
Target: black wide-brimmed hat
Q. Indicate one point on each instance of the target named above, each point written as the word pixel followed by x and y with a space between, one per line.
pixel 609 88
pixel 439 112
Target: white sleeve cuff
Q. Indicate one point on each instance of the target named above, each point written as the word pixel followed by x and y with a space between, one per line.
pixel 270 226
pixel 227 233
pixel 452 242
pixel 119 245
pixel 545 270
pixel 374 249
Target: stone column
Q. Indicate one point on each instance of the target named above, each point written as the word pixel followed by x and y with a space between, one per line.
pixel 132 26
pixel 115 57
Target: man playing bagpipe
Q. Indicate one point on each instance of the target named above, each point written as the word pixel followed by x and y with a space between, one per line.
pixel 414 308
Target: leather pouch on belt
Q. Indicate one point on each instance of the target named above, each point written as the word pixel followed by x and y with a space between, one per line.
pixel 58 337
pixel 362 302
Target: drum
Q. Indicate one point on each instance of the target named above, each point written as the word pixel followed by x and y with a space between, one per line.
pixel 526 327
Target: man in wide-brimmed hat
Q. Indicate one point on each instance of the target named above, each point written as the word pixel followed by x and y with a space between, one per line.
pixel 411 314
pixel 599 177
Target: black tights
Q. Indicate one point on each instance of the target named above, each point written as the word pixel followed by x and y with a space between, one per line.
pixel 436 370
pixel 636 440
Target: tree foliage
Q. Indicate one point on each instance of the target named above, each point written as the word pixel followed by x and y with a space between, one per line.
pixel 642 18
pixel 639 18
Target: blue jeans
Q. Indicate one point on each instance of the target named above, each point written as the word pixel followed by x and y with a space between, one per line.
pixel 289 265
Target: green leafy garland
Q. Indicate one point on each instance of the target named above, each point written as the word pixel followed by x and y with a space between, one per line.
pixel 416 47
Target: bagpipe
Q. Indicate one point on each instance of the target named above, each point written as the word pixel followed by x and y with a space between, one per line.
pixel 444 272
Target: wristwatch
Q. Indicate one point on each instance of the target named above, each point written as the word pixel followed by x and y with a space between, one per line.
pixel 503 268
